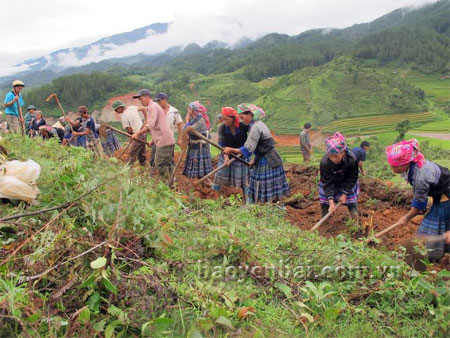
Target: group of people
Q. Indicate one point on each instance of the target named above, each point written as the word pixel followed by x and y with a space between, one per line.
pixel 249 159
pixel 339 184
pixel 241 134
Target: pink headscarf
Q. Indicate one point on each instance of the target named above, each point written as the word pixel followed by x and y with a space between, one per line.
pixel 198 108
pixel 336 144
pixel 405 152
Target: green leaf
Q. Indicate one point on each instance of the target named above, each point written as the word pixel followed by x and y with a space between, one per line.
pixel 94 302
pixel 285 289
pixel 85 316
pixel 331 313
pixel 225 322
pixel 111 327
pixel 33 318
pixel 444 273
pixel 98 263
pixel 196 334
pixel 109 286
pixel 100 326
pixel 88 282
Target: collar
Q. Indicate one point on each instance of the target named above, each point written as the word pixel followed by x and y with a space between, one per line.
pixel 410 172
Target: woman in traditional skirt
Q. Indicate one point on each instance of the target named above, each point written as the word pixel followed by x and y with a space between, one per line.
pixel 268 181
pixel 427 179
pixel 338 177
pixel 233 134
pixel 198 157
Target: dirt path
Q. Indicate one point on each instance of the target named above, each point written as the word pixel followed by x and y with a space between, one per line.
pixel 439 136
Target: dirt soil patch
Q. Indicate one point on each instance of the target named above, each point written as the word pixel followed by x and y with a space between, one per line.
pixel 380 205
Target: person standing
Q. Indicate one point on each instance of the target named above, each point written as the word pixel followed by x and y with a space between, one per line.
pixel 361 153
pixel 427 179
pixel 268 181
pixel 132 123
pixel 29 116
pixel 305 143
pixel 338 177
pixel 198 155
pixel 173 119
pixel 12 104
pixel 233 134
pixel 156 124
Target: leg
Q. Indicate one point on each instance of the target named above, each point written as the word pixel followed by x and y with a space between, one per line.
pixel 153 156
pixel 13 123
pixel 163 161
pixel 353 210
pixel 135 148
pixel 324 209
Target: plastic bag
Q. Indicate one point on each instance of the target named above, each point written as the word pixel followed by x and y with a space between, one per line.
pixel 27 172
pixel 14 189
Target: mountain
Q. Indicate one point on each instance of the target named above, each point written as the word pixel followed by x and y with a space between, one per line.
pixel 49 66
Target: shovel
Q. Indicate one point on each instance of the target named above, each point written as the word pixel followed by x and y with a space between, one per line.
pixel 324 218
pixel 192 131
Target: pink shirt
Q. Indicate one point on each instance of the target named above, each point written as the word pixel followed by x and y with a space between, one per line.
pixel 159 128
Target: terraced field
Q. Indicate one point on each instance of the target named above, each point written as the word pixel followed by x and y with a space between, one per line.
pixel 377 123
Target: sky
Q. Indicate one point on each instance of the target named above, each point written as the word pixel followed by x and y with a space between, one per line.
pixel 35 28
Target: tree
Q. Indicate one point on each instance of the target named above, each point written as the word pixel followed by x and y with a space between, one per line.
pixel 402 128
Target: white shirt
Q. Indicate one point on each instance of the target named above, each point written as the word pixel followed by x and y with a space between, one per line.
pixel 131 118
pixel 173 119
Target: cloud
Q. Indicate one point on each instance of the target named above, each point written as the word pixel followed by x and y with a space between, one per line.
pixel 202 21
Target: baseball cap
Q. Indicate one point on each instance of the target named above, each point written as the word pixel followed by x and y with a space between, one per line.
pixel 118 103
pixel 142 92
pixel 161 96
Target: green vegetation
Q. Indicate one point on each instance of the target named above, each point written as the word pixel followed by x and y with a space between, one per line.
pixel 377 123
pixel 154 254
pixel 435 86
pixel 442 126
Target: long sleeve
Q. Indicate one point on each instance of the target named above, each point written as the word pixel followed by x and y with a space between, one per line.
pixel 326 177
pixel 421 187
pixel 351 177
pixel 221 135
pixel 253 138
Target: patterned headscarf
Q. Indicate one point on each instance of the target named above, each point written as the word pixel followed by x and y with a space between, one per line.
pixel 404 152
pixel 228 111
pixel 200 109
pixel 257 112
pixel 336 143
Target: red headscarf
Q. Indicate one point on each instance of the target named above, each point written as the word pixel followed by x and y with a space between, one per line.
pixel 228 111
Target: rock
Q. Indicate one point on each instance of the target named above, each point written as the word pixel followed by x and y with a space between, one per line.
pixel 417 219
pixel 387 212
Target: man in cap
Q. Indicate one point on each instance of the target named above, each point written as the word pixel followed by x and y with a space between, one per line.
pixel 13 103
pixel 173 118
pixel 29 116
pixel 162 136
pixel 132 123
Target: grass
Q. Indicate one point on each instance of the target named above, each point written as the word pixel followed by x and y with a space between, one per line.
pixel 435 88
pixel 442 126
pixel 367 125
pixel 182 277
pixel 389 137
